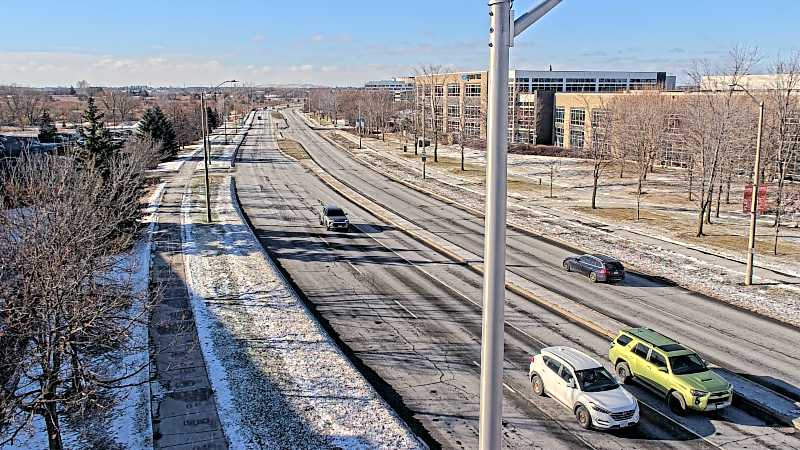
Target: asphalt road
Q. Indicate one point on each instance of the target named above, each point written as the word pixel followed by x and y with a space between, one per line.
pixel 410 318
pixel 751 344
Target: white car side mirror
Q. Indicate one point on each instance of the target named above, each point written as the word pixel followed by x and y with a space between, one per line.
pixel 571 384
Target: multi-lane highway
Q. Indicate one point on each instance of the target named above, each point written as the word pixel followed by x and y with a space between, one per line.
pixel 410 318
pixel 752 344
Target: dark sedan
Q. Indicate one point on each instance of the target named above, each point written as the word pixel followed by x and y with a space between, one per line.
pixel 596 267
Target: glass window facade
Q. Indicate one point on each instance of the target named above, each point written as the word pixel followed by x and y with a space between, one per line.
pixel 547 84
pixel 472 90
pixel 558 126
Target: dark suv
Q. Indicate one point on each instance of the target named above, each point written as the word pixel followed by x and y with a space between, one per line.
pixel 596 267
pixel 334 218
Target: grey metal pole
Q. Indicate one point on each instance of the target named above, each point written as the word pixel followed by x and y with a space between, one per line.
pixel 751 241
pixel 491 394
pixel 501 34
pixel 206 154
pixel 224 119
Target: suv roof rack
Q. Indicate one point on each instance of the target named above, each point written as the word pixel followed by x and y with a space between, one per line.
pixel 649 336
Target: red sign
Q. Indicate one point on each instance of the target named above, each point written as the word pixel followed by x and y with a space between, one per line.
pixel 747 199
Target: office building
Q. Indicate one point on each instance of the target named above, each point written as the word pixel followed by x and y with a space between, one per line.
pixel 460 98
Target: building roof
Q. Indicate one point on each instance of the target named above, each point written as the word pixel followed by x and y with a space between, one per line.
pixel 565 73
pixel 750 82
pixel 576 359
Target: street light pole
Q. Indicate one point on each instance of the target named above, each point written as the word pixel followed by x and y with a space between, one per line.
pixel 224 119
pixel 751 236
pixel 751 240
pixel 501 34
pixel 206 150
pixel 207 146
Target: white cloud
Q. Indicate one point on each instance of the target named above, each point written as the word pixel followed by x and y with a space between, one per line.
pixel 317 38
pixel 303 68
pixel 66 68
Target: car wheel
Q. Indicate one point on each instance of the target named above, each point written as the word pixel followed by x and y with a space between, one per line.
pixel 567 267
pixel 676 403
pixel 538 385
pixel 584 419
pixel 623 372
pixel 593 277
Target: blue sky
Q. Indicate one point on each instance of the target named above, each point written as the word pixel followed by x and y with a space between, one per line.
pixel 346 42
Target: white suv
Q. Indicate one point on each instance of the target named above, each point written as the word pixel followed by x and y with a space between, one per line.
pixel 584 386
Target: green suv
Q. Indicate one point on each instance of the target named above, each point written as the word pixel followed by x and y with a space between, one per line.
pixel 669 368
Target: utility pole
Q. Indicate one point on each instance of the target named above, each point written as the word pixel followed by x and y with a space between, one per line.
pixel 751 237
pixel 501 34
pixel 751 240
pixel 224 118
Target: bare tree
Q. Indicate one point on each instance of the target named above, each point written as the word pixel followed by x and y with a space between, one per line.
pixel 717 123
pixel 23 105
pixel 783 126
pixel 433 92
pixel 185 118
pixel 66 314
pixel 553 166
pixel 599 148
pixel 126 105
pixel 639 121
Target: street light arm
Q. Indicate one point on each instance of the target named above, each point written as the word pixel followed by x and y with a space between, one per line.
pixel 529 18
pixel 733 85
pixel 224 82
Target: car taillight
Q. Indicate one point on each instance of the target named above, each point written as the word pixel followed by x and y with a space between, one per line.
pixel 532 358
pixel 603 271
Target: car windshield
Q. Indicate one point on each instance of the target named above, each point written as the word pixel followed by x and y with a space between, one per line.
pixel 596 380
pixel 614 265
pixel 335 212
pixel 685 364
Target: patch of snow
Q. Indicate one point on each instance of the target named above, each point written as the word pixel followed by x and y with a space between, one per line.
pixel 778 302
pixel 278 379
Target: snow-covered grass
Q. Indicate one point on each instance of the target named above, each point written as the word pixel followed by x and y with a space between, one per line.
pixel 278 379
pixel 128 423
pixel 665 193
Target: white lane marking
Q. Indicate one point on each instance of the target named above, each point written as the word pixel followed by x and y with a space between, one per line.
pixel 461 294
pixel 355 268
pixel 548 415
pixel 682 426
pixel 406 310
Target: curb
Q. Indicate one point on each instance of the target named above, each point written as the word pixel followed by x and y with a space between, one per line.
pixel 588 324
pixel 558 243
pixel 291 288
pixel 557 309
pixel 549 240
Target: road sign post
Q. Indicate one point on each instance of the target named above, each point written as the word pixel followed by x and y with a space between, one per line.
pixel 424 158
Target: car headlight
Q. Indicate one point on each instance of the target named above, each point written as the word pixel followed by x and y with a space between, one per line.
pixel 599 409
pixel 697 393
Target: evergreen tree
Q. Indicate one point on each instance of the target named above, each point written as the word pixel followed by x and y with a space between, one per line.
pixel 213 118
pixel 47 129
pixel 72 91
pixel 98 145
pixel 156 126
